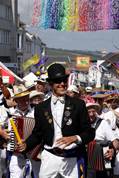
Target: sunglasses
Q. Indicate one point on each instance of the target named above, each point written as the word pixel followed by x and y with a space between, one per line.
pixel 58 81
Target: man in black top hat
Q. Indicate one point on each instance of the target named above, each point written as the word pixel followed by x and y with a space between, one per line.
pixel 62 124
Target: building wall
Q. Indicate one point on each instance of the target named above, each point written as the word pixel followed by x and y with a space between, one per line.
pixel 8 21
pixel 27 46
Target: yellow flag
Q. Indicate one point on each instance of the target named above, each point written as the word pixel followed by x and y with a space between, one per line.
pixel 32 61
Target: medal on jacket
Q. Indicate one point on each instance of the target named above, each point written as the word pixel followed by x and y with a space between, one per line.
pixel 67 113
pixel 46 113
pixel 68 108
pixel 50 121
pixel 69 122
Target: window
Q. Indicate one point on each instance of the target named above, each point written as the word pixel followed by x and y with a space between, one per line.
pixel 8 13
pixel 4 36
pixel 5 12
pixel 2 11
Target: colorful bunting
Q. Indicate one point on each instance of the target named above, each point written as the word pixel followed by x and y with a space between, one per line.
pixel 76 15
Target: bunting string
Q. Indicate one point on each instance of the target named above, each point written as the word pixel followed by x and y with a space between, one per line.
pixel 76 15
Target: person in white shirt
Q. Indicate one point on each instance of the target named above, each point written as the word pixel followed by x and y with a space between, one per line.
pixel 112 117
pixel 63 126
pixel 17 160
pixel 103 134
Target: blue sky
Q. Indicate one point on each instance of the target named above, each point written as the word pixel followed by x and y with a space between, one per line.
pixel 91 41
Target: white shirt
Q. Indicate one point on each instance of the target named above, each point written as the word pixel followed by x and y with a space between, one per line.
pixel 29 113
pixel 57 109
pixel 104 132
pixel 110 118
pixel 57 112
pixel 3 114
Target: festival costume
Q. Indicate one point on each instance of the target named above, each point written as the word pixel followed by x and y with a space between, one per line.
pixel 67 120
pixel 104 135
pixel 111 119
pixel 17 160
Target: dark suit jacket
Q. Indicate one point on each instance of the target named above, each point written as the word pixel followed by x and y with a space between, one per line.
pixel 75 121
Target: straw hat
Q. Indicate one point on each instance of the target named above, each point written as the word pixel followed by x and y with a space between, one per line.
pixel 19 88
pixel 99 95
pixel 36 93
pixel 22 94
pixel 20 91
pixel 112 97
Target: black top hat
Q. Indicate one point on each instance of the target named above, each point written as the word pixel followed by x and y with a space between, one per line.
pixel 56 71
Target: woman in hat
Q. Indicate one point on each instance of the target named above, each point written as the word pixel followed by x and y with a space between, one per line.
pixel 103 135
pixel 63 126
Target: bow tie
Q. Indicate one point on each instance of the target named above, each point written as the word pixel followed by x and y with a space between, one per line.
pixel 56 99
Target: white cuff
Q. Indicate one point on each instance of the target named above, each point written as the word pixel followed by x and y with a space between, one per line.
pixel 79 141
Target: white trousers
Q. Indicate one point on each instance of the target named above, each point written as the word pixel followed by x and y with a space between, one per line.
pixel 17 164
pixel 2 161
pixel 55 167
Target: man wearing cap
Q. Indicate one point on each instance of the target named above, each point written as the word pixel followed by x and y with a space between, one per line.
pixel 62 123
pixel 23 112
pixel 104 136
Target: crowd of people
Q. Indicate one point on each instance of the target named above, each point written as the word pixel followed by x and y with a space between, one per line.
pixel 65 131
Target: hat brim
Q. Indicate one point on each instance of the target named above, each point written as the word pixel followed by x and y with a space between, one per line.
pixel 22 94
pixel 37 94
pixel 53 79
pixel 112 98
pixel 95 106
pixel 100 96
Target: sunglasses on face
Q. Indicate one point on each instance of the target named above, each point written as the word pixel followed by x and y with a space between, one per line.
pixel 58 81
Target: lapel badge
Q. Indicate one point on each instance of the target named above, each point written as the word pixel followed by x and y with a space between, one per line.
pixel 67 113
pixel 65 119
pixel 46 113
pixel 69 122
pixel 68 108
pixel 50 121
